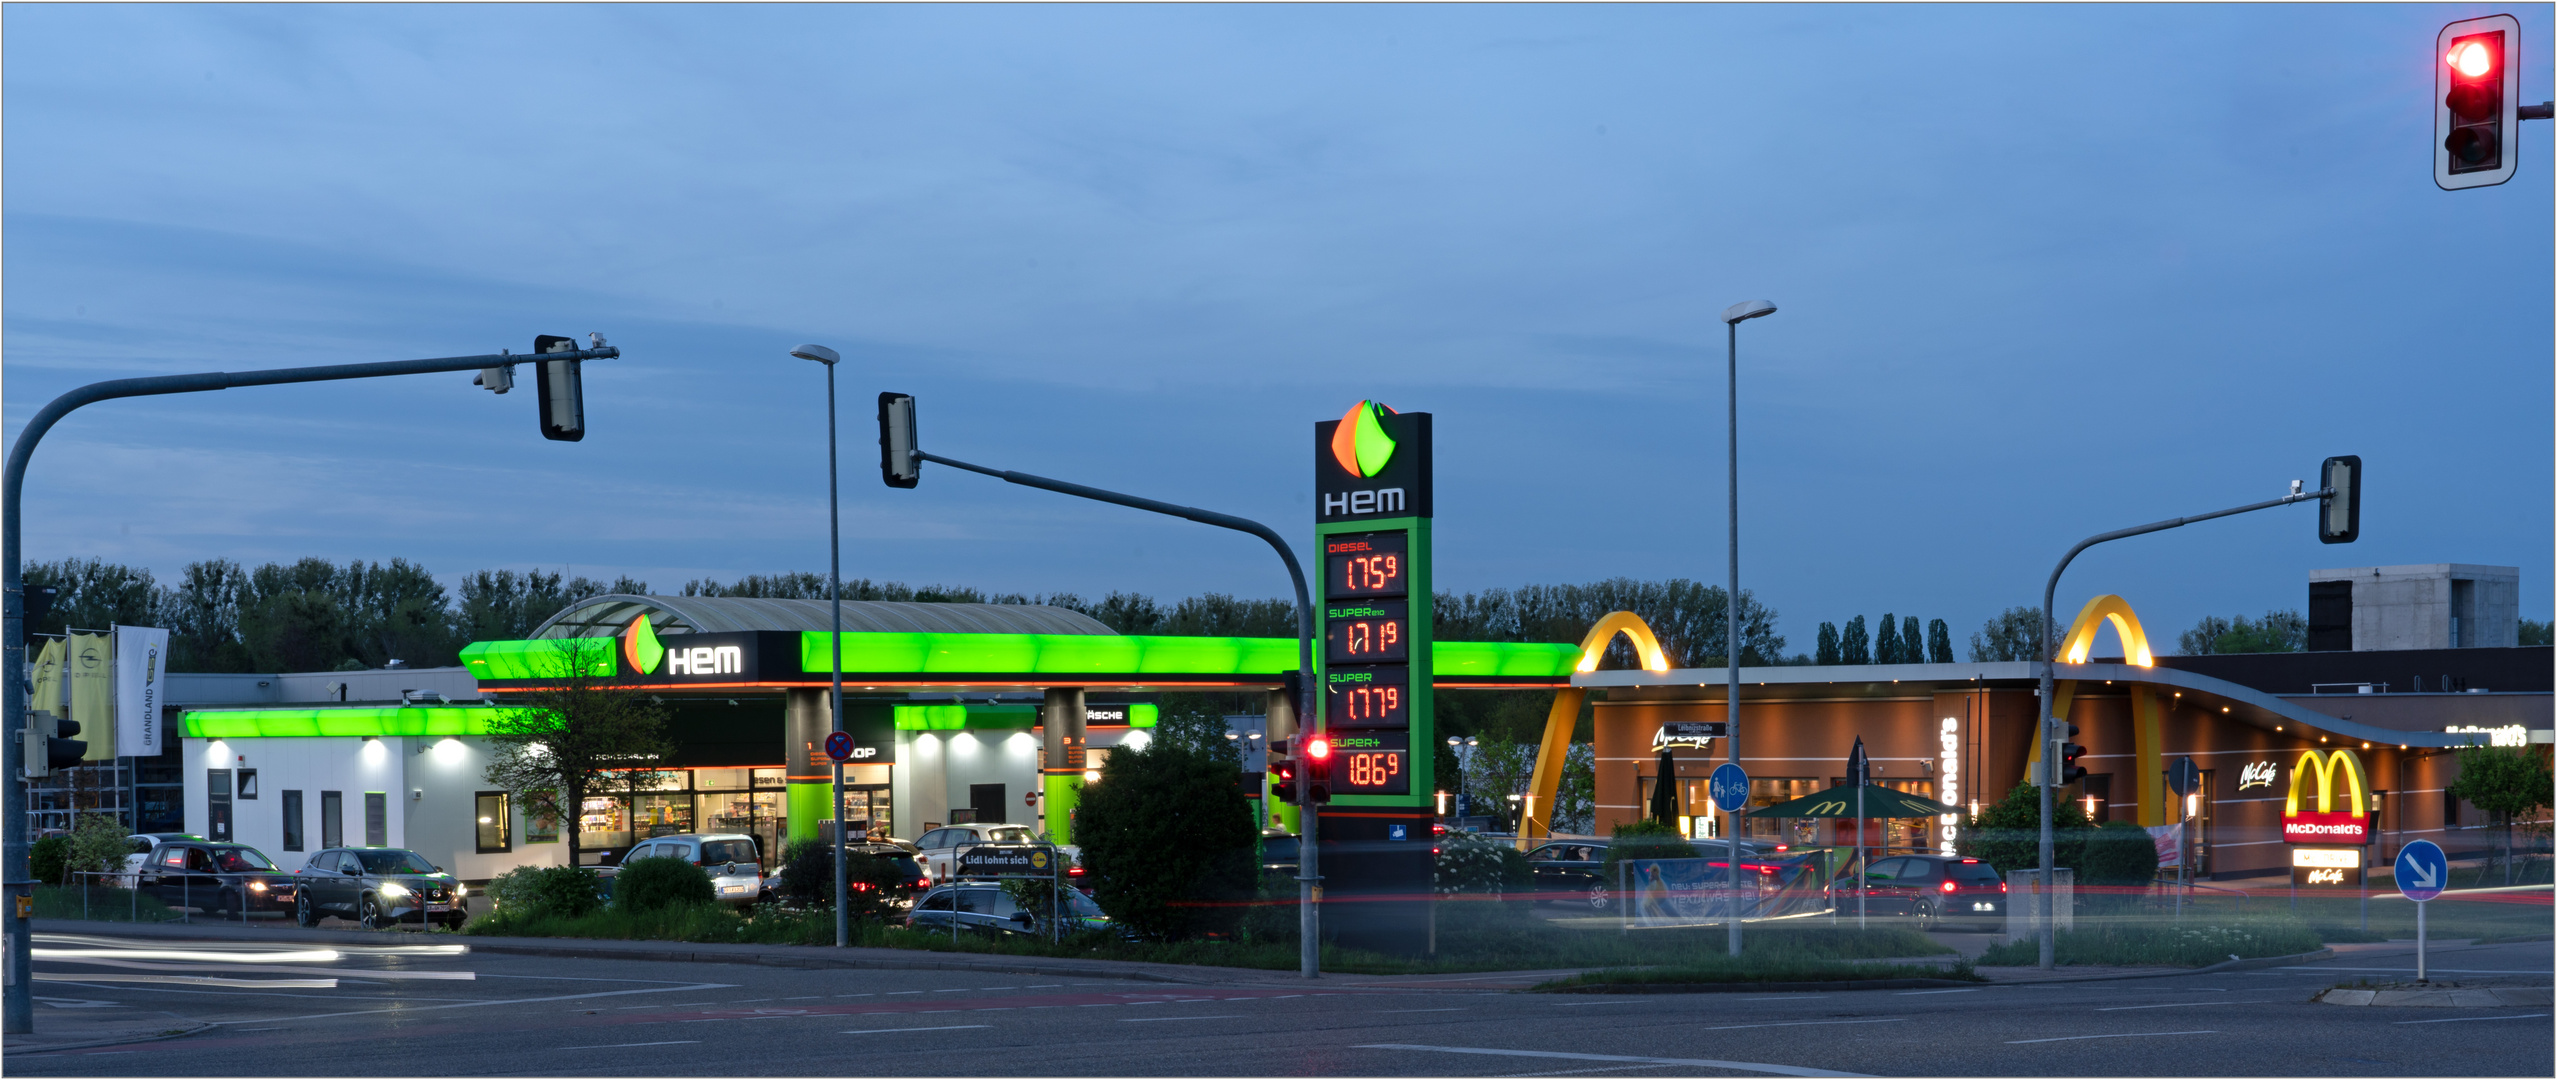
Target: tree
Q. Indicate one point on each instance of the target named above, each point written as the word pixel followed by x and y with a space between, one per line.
pixel 204 619
pixel 2533 632
pixel 2278 631
pixel 2505 781
pixel 2008 833
pixel 1501 767
pixel 1168 840
pixel 503 605
pixel 1886 641
pixel 2009 635
pixel 1828 647
pixel 1853 646
pixel 1576 798
pixel 1913 649
pixel 1688 617
pixel 1939 642
pixel 95 594
pixel 1197 721
pixel 579 737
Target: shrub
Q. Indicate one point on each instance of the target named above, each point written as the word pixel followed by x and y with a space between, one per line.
pixel 2118 854
pixel 1468 863
pixel 98 844
pixel 1168 840
pixel 2008 834
pixel 48 860
pixel 807 873
pixel 529 892
pixel 655 884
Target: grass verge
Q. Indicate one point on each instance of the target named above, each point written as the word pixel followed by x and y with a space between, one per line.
pixel 103 905
pixel 1471 937
pixel 2191 944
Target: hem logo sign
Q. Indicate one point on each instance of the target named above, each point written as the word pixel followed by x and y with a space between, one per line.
pixel 641 647
pixel 1362 448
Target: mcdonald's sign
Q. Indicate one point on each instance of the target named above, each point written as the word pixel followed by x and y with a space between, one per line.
pixel 2329 823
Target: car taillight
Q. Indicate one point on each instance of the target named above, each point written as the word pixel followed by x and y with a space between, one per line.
pixel 2002 886
pixel 1948 886
pixel 1075 872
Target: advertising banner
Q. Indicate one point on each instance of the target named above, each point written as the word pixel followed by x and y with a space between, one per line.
pixel 141 670
pixel 2170 844
pixel 90 669
pixel 51 692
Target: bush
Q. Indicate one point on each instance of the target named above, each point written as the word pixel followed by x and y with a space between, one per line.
pixel 656 884
pixel 1468 863
pixel 2008 834
pixel 529 892
pixel 2119 854
pixel 807 873
pixel 1645 839
pixel 49 859
pixel 1168 840
pixel 98 845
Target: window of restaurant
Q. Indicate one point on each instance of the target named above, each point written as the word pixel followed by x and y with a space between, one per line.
pixel 745 801
pixel 1770 790
pixel 489 822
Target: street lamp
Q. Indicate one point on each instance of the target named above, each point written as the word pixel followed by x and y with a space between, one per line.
pixel 834 598
pixel 1732 317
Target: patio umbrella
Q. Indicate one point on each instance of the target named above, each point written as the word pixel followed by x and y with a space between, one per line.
pixel 1664 795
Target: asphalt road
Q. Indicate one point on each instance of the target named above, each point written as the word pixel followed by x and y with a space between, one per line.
pixel 411 1015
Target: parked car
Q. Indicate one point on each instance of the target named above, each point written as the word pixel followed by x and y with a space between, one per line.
pixel 938 849
pixel 984 907
pixel 139 846
pixel 1278 852
pixel 378 887
pixel 1573 871
pixel 911 879
pixel 733 859
pixel 1934 890
pixel 217 879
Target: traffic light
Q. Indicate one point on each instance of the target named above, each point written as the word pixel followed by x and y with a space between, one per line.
pixel 1282 772
pixel 2476 121
pixel 897 462
pixel 1318 770
pixel 2339 516
pixel 48 745
pixel 2070 771
pixel 561 389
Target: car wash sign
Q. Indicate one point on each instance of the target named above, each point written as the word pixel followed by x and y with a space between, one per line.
pixel 2337 806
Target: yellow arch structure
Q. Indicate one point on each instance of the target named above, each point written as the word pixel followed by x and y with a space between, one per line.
pixel 2325 765
pixel 2147 715
pixel 1547 781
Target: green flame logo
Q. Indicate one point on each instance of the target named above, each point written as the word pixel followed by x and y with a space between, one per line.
pixel 639 645
pixel 1360 444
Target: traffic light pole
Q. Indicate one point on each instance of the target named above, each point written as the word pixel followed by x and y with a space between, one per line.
pixel 1309 921
pixel 2052 725
pixel 17 1010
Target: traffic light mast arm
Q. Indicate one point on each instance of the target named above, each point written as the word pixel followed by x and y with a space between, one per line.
pixel 2546 110
pixel 2049 647
pixel 18 1017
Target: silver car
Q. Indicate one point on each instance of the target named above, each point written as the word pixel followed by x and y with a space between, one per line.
pixel 735 865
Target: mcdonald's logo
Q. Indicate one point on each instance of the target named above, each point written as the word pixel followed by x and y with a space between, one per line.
pixel 2328 824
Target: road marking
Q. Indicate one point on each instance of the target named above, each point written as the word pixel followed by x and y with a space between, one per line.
pixel 1914 993
pixel 485 1004
pixel 804 997
pixel 2180 1005
pixel 1579 1072
pixel 1044 986
pixel 1704 1063
pixel 2124 1035
pixel 617 1046
pixel 1156 1019
pixel 893 993
pixel 960 990
pixel 1576 1004
pixel 2455 971
pixel 1390 1012
pixel 190 980
pixel 1808 1023
pixel 2458 1019
pixel 892 1031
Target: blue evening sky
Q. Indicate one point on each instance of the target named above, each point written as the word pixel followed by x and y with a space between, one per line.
pixel 2043 272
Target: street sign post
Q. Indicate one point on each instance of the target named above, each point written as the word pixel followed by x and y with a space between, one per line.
pixel 2185 779
pixel 2421 871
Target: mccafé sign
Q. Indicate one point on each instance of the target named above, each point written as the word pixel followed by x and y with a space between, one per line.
pixel 2334 821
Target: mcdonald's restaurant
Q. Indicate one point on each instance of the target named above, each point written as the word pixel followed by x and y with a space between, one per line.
pixel 2292 753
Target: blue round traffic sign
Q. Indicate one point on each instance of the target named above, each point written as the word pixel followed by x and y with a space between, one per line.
pixel 1729 786
pixel 839 746
pixel 2422 870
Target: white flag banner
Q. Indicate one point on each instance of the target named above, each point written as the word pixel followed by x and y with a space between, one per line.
pixel 2170 844
pixel 141 670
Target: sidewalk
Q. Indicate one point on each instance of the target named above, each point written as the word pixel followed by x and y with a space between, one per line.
pixel 65 1021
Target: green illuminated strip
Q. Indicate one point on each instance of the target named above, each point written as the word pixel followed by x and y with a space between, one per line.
pixel 1457 661
pixel 338 723
pixel 540 659
pixel 983 717
pixel 1051 654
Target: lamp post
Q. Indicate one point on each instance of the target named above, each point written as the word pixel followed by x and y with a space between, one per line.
pixel 1732 317
pixel 834 606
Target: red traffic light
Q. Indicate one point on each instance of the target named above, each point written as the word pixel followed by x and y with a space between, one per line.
pixel 2471 58
pixel 1318 748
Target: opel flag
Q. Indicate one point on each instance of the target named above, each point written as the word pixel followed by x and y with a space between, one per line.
pixel 50 690
pixel 141 672
pixel 90 668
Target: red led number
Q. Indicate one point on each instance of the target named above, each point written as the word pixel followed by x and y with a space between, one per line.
pixel 1368 637
pixel 1374 770
pixel 1372 702
pixel 1371 573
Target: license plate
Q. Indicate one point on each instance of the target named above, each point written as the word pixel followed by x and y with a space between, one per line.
pixel 433 908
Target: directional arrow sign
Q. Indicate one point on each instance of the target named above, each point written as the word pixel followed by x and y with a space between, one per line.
pixel 2422 870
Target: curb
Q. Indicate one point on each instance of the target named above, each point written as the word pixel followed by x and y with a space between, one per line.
pixel 173 1034
pixel 1752 987
pixel 2508 997
pixel 1023 966
pixel 2224 965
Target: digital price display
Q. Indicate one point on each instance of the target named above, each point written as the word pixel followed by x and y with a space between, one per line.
pixel 1371 764
pixel 1372 698
pixel 1374 632
pixel 1366 564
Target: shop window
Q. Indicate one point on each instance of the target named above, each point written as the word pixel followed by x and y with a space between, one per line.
pixel 603 822
pixel 332 819
pixel 489 822
pixel 988 802
pixel 541 817
pixel 248 784
pixel 292 820
pixel 377 819
pixel 217 798
pixel 665 815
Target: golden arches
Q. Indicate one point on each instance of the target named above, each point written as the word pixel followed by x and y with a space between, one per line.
pixel 1646 644
pixel 2126 624
pixel 2325 767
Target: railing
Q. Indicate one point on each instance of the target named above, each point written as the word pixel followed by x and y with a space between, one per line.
pixel 226 895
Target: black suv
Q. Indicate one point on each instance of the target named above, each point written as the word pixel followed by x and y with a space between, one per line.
pixel 217 879
pixel 1935 890
pixel 378 888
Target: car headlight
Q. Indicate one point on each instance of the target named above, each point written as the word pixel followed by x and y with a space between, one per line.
pixel 257 886
pixel 394 889
pixel 460 890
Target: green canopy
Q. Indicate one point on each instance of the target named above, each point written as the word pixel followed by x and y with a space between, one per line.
pixel 1840 802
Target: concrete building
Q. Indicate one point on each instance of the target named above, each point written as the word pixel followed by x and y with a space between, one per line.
pixel 2426 606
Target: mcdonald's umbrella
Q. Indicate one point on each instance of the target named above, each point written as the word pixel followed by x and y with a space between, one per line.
pixel 1840 802
pixel 1664 793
